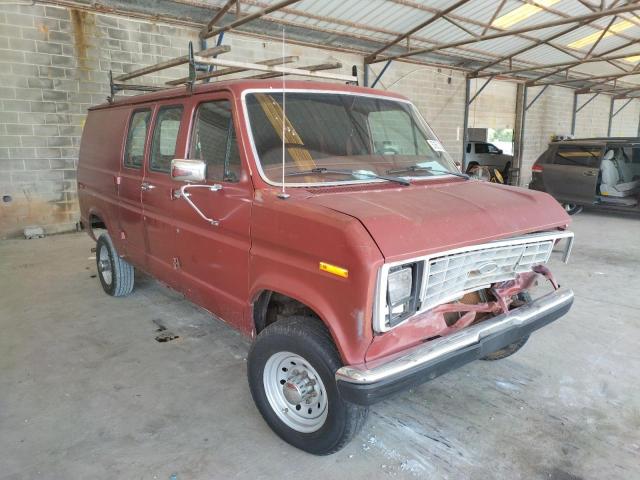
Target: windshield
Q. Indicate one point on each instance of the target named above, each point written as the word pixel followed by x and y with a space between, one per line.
pixel 337 138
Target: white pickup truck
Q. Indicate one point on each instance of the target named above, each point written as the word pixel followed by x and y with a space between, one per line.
pixel 486 154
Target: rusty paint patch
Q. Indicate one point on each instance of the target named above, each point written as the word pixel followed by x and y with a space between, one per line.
pixel 79 22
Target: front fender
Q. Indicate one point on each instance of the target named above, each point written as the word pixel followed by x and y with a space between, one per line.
pixel 290 239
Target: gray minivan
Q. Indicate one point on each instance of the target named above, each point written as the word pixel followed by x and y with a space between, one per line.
pixel 601 172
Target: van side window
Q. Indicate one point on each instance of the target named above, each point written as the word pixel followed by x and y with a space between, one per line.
pixel 214 141
pixel 165 136
pixel 578 156
pixel 136 138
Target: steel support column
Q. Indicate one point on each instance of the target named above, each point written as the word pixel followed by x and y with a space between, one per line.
pixel 521 118
pixel 465 127
pixel 365 74
pixel 610 116
pixel 574 112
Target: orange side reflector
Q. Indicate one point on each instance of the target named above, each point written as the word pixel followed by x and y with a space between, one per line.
pixel 339 271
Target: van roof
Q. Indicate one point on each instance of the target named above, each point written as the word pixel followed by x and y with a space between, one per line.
pixel 237 86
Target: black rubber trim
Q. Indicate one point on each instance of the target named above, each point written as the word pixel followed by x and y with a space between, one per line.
pixel 368 394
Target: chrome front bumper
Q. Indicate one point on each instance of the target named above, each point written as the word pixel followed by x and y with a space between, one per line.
pixel 368 383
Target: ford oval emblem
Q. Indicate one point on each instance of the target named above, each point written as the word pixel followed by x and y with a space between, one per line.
pixel 487 268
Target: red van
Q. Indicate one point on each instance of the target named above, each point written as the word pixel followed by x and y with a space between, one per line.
pixel 343 239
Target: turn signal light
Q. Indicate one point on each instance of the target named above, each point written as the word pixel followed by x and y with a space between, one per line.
pixel 335 270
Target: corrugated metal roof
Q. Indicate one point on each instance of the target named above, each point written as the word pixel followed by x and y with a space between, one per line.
pixel 367 25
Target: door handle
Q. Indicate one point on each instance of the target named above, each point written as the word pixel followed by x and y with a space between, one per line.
pixel 146 186
pixel 589 173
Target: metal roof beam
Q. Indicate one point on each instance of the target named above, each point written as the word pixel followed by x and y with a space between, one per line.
pixel 494 16
pixel 622 107
pixel 535 99
pixel 588 17
pixel 537 43
pixel 418 27
pixel 591 99
pixel 384 69
pixel 600 37
pixel 473 21
pixel 565 65
pixel 246 19
pixel 585 79
pixel 225 8
pixel 455 23
pixel 479 91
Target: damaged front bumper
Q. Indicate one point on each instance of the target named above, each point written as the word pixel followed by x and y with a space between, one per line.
pixel 369 383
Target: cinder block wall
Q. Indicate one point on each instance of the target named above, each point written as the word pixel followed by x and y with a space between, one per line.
pixel 437 92
pixel 495 107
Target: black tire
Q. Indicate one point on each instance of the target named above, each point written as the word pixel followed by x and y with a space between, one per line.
pixel 572 208
pixel 307 338
pixel 509 350
pixel 471 166
pixel 122 273
pixel 505 173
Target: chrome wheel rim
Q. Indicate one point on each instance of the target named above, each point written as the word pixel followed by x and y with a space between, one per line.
pixel 295 392
pixel 104 266
pixel 569 206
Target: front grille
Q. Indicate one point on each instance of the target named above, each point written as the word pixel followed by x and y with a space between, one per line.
pixel 448 277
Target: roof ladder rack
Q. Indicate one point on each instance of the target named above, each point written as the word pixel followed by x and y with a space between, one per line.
pixel 197 72
pixel 116 85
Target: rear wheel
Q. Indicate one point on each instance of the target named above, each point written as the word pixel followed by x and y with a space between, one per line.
pixel 572 208
pixel 116 275
pixel 471 167
pixel 291 370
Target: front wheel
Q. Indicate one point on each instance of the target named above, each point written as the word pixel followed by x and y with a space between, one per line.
pixel 291 369
pixel 521 299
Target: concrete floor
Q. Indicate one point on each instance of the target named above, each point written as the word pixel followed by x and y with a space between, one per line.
pixel 87 392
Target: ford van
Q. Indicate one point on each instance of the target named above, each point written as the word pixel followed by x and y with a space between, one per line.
pixel 328 224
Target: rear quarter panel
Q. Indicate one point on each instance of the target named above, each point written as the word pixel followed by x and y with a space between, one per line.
pixel 99 165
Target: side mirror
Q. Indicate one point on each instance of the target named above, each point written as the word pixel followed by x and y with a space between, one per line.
pixel 188 170
pixel 499 152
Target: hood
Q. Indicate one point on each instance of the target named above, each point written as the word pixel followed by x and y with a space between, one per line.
pixel 433 216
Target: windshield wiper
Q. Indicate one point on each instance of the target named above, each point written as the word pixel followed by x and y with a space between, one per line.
pixel 418 168
pixel 353 173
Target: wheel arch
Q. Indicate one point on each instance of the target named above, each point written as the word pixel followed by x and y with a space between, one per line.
pixel 97 219
pixel 270 303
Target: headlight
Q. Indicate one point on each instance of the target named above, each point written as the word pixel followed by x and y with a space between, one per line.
pixel 398 294
pixel 399 286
